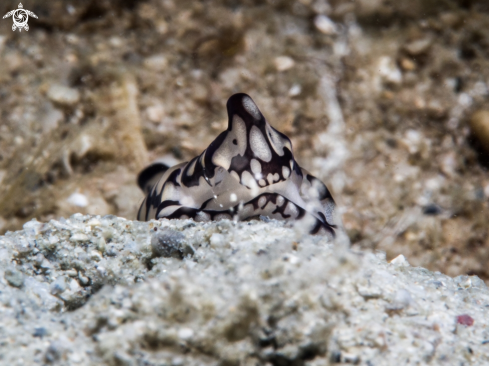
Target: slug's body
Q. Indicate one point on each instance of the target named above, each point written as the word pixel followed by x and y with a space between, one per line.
pixel 247 171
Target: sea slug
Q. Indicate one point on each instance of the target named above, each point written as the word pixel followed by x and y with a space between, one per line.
pixel 247 171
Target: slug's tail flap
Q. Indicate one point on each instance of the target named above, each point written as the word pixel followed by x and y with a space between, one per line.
pixel 151 175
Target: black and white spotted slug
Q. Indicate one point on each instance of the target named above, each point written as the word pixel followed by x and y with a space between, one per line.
pixel 247 171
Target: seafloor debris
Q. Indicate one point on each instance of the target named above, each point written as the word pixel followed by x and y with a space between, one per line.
pixel 247 171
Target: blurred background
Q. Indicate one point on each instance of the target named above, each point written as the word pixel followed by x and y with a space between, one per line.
pixel 385 101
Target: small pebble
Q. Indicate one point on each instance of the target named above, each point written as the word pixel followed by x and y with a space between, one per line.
pixel 40 332
pixel 283 63
pixel 479 126
pixel 167 243
pixel 101 244
pixel 388 70
pixel 78 199
pixel 324 24
pixel 79 237
pixel 63 95
pixel 55 351
pixel 432 210
pixel 155 113
pixel 418 47
pixel 402 299
pixel 400 261
pixel 295 90
pixel 32 227
pixel 407 64
pixel 156 63
pixel 465 320
pixel 14 277
pixel 217 240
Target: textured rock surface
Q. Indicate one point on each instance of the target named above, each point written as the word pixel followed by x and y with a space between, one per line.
pixel 109 291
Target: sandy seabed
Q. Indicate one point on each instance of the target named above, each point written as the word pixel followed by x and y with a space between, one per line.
pixel 109 291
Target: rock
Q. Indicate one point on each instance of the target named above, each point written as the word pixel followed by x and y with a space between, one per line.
pixel 156 63
pixel 295 90
pixel 400 261
pixel 40 332
pixel 32 228
pixel 101 244
pixel 52 118
pixel 324 24
pixel 167 243
pixel 14 277
pixel 78 199
pixel 388 71
pixel 408 64
pixel 418 47
pixel 3 40
pixel 56 351
pixel 283 63
pixel 217 240
pixel 449 164
pixel 465 320
pixel 479 125
pixel 402 299
pixel 63 95
pixel 79 237
pixel 155 113
pixel 432 209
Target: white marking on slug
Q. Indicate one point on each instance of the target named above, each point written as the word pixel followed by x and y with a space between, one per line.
pixel 277 141
pixel 170 192
pixel 245 211
pixel 201 159
pixel 187 201
pixel 291 210
pixel 248 181
pixel 235 175
pixel 251 107
pixel 233 197
pixel 191 168
pixel 255 167
pixel 270 178
pixel 285 172
pixel 223 155
pixel 239 131
pixel 259 145
pixel 228 149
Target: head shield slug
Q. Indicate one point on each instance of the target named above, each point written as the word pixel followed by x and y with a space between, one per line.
pixel 247 171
